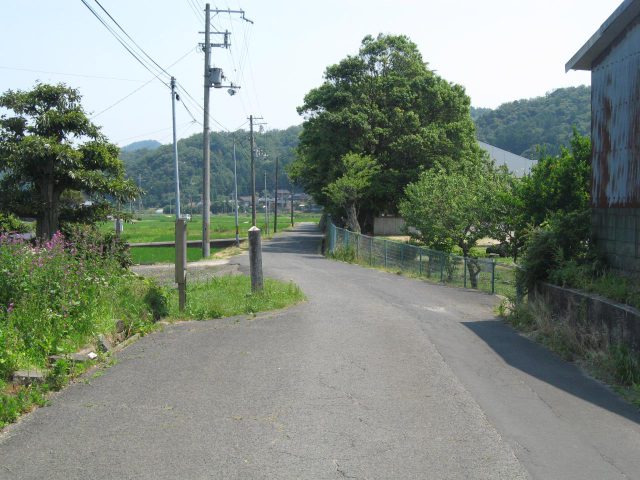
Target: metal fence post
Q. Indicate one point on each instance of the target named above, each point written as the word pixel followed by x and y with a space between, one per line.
pixel 357 246
pixel 442 268
pixel 334 232
pixel 493 276
pixel 465 272
pixel 371 251
pixel 420 268
pixel 385 253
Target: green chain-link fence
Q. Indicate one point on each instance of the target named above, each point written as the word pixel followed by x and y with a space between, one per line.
pixel 479 273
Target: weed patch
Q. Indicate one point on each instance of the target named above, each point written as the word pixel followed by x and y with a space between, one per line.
pixel 616 365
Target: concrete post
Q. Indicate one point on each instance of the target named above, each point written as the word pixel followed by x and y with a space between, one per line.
pixel 181 262
pixel 255 259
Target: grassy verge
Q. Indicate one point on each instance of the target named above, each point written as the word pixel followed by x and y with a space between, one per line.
pixel 231 295
pixel 613 364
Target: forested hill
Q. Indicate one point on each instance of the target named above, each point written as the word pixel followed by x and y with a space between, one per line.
pixel 515 126
pixel 153 169
pixel 142 144
pixel 547 121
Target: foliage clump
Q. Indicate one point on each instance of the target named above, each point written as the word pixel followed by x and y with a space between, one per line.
pixel 384 103
pixel 57 295
pixel 55 164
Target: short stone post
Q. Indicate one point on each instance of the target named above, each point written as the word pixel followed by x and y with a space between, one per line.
pixel 255 259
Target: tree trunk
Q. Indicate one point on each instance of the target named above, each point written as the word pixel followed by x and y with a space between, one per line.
pixel 352 218
pixel 47 222
pixel 473 265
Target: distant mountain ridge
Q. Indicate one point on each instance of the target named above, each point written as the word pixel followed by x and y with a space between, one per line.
pixel 517 127
pixel 523 125
pixel 141 145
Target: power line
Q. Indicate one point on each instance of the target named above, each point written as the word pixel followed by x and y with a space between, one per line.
pixel 70 74
pixel 195 102
pixel 129 37
pixel 191 50
pixel 194 9
pixel 122 42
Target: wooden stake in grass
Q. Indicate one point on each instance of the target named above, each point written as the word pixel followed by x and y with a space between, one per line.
pixel 255 259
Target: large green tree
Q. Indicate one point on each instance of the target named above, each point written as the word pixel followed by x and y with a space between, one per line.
pixel 383 102
pixel 49 149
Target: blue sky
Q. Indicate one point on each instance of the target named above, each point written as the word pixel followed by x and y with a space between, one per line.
pixel 499 50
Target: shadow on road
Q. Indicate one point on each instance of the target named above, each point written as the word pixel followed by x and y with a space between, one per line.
pixel 306 239
pixel 535 360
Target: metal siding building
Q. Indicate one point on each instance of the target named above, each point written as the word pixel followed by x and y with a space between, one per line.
pixel 516 164
pixel 613 57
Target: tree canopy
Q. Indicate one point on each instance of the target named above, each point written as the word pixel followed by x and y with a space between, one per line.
pixel 454 208
pixel 385 103
pixel 49 149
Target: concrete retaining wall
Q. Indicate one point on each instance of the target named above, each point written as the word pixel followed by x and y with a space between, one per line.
pixel 617 234
pixel 388 226
pixel 618 323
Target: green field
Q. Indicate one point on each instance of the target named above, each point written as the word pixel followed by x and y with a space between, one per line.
pixel 160 228
pixel 149 255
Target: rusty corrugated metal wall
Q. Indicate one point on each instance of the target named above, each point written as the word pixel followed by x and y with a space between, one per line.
pixel 615 127
pixel 615 135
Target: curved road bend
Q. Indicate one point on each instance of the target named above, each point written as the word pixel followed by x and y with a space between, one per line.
pixel 376 376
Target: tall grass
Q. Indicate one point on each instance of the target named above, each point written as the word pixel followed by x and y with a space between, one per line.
pixel 579 342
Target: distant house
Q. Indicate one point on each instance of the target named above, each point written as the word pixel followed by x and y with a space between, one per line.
pixel 612 55
pixel 519 166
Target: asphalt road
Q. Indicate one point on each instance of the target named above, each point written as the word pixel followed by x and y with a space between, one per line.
pixel 375 376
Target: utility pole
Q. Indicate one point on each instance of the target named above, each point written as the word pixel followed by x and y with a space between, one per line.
pixel 253 173
pixel 253 168
pixel 140 197
pixel 212 78
pixel 266 205
pixel 235 191
pixel 206 147
pixel 175 147
pixel 292 204
pixel 275 208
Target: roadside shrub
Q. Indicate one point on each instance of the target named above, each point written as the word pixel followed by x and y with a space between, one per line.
pixel 563 238
pixel 58 295
pixel 157 300
pixel 501 249
pixel 90 241
pixel 626 365
pixel 9 223
pixel 344 254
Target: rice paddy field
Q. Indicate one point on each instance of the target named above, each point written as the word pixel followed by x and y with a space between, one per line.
pixel 160 228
